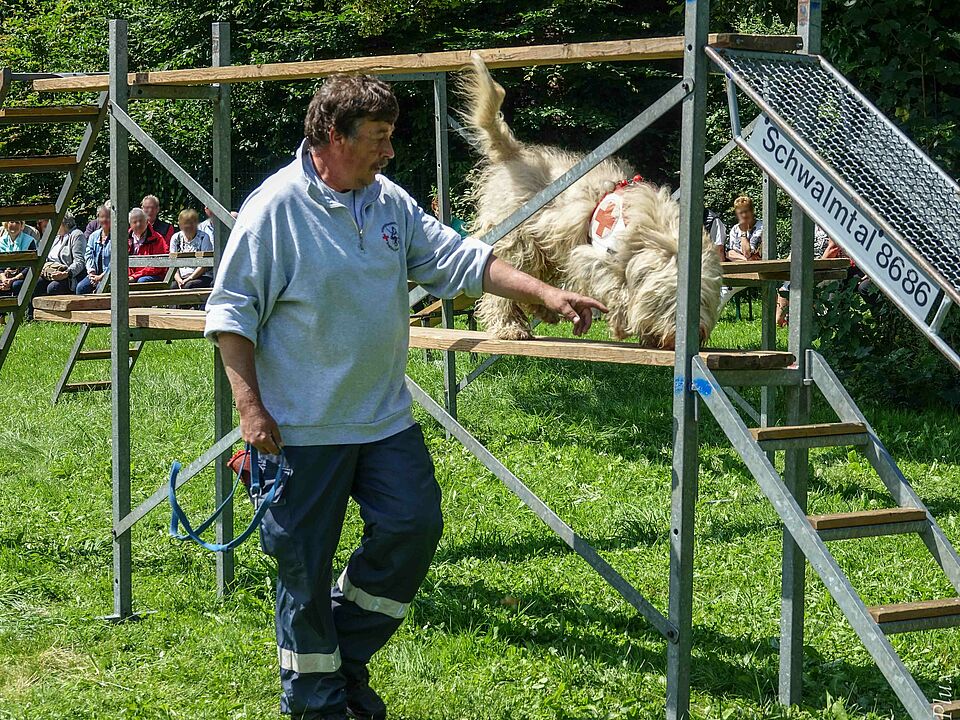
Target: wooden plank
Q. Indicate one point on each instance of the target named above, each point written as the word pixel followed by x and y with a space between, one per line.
pixel 18 259
pixel 866 517
pixel 916 610
pixel 86 386
pixel 946 710
pixel 149 286
pixel 433 310
pixel 48 114
pixel 739 279
pixel 178 255
pixel 100 354
pixel 792 432
pixel 43 211
pixel 465 341
pixel 779 266
pixel 7 303
pixel 101 301
pixel 655 48
pixel 37 163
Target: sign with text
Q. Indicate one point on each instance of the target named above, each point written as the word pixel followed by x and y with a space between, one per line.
pixel 833 210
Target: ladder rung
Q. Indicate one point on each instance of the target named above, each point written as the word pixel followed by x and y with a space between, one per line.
pixel 48 114
pixel 866 517
pixel 870 523
pixel 19 259
pixel 27 212
pixel 8 303
pixel 923 615
pixel 99 354
pixel 818 435
pixel 37 163
pixel 86 386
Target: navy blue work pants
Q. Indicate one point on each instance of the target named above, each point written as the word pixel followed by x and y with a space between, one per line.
pixel 326 636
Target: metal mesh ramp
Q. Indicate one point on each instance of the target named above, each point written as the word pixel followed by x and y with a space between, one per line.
pixel 908 192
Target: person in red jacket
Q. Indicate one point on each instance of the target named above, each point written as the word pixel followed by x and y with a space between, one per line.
pixel 144 240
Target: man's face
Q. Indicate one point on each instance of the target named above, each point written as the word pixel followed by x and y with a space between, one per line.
pixel 365 154
pixel 138 225
pixel 151 208
pixel 14 227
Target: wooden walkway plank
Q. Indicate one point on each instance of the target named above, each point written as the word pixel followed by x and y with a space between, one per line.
pixel 654 48
pixel 101 301
pixel 461 341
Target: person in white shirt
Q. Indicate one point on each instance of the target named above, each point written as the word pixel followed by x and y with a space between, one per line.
pixel 191 239
pixel 743 242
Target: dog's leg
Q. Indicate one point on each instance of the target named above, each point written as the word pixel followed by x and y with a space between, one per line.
pixel 505 318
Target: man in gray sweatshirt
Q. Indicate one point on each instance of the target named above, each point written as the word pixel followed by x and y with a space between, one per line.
pixel 310 311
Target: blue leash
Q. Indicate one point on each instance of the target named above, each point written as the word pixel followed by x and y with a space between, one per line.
pixel 178 517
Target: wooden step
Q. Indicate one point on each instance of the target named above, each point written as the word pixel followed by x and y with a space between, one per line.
pixel 27 212
pixel 923 615
pixel 86 386
pixel 18 259
pixel 100 354
pixel 866 517
pixel 37 163
pixel 8 303
pixel 947 710
pixel 870 523
pixel 817 435
pixel 48 114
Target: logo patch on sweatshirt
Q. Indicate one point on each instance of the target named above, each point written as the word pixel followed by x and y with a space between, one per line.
pixel 391 235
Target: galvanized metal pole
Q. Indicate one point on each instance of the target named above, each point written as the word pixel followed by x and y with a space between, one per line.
pixel 443 200
pixel 685 431
pixel 120 325
pixel 222 395
pixel 796 462
pixel 770 295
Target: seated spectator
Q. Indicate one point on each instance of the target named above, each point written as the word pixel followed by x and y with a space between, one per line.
pixel 191 239
pixel 209 225
pixel 743 243
pixel 144 240
pixel 151 206
pixel 95 224
pixel 14 238
pixel 716 231
pixel 823 247
pixel 97 256
pixel 65 266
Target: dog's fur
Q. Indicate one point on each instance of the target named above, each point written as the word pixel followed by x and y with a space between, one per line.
pixel 638 284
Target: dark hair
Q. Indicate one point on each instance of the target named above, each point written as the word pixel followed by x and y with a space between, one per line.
pixel 342 101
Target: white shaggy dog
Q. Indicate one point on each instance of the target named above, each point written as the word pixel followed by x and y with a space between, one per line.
pixel 634 275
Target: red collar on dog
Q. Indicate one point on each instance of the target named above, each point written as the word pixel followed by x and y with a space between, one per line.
pixel 607 219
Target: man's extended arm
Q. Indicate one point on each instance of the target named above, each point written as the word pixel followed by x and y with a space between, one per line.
pixel 257 426
pixel 500 278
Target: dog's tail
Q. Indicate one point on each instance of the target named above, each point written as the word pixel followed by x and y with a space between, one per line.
pixel 484 96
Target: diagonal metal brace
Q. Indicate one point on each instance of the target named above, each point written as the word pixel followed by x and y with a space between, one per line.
pixel 553 521
pixel 151 146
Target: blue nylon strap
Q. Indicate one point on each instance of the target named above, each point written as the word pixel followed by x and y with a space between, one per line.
pixel 178 517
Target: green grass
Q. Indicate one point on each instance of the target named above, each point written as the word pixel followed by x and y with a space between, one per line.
pixel 509 623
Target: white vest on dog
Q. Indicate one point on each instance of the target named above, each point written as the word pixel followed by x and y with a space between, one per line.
pixel 607 221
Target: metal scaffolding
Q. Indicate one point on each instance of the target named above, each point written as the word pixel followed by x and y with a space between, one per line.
pixel 697 381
